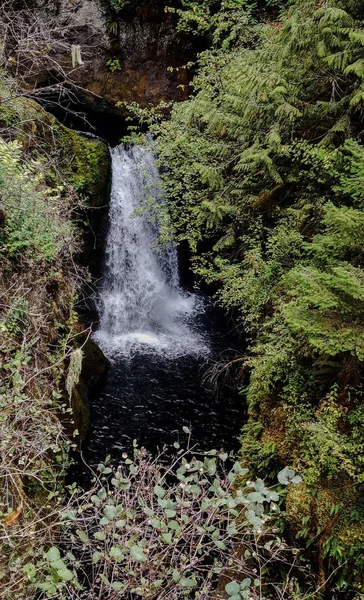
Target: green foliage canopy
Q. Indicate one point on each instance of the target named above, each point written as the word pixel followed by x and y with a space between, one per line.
pixel 264 178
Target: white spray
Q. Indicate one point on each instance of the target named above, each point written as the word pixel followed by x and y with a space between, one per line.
pixel 142 307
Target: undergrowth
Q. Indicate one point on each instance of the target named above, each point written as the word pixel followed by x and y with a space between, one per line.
pixel 263 171
pixel 40 286
pixel 176 527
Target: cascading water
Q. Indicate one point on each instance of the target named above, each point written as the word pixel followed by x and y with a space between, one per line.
pixel 154 332
pixel 142 306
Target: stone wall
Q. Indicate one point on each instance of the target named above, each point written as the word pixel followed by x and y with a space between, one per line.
pixel 143 41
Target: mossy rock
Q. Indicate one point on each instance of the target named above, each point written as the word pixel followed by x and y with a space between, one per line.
pixel 81 409
pixel 298 504
pixel 88 165
pixel 71 160
pixel 81 162
pixel 94 369
pixel 264 443
pixel 94 365
pixel 335 525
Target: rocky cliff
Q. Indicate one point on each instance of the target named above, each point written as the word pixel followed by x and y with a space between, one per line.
pixel 119 56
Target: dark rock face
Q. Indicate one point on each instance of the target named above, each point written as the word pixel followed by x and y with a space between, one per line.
pixel 141 43
pixel 94 369
pixel 148 46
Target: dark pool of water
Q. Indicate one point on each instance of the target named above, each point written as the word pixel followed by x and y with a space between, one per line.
pixel 150 399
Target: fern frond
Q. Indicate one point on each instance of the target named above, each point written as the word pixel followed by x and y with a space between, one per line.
pixel 226 241
pixel 357 68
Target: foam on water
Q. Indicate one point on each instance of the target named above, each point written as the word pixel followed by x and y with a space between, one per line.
pixel 142 306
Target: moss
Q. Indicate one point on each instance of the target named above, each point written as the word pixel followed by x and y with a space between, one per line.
pixel 264 443
pixel 70 160
pixel 88 166
pixel 331 522
pixel 80 410
pixel 84 164
pixel 298 504
pixel 81 162
pixel 274 419
pixel 324 512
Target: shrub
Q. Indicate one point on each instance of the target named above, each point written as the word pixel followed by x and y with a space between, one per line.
pixel 168 528
pixel 35 222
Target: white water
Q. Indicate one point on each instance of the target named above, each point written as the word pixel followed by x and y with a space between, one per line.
pixel 142 307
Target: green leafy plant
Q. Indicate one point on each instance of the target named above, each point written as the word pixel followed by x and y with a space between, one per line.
pixel 114 65
pixel 33 212
pixel 39 282
pixel 167 528
pixel 263 176
pixel 118 6
pixel 237 591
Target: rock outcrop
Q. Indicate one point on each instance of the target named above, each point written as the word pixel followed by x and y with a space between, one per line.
pixel 81 162
pixel 118 57
pixel 94 368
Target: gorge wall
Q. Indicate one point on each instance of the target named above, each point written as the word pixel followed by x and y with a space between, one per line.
pixel 125 55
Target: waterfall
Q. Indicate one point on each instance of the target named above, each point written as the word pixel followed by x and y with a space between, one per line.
pixel 142 306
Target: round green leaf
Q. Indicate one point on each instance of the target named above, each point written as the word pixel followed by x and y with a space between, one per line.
pixel 82 535
pixel 110 512
pixel 96 557
pixel 48 587
pixel 232 588
pixel 116 553
pixel 187 582
pixel 53 554
pixel 65 574
pixel 138 553
pixel 117 586
pixel 167 537
pixel 159 491
pixel 285 476
pixel 245 583
pixel 30 570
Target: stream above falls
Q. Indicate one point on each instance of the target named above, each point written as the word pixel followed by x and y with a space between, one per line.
pixel 160 339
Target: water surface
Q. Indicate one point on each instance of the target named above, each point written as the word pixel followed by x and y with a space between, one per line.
pixel 160 339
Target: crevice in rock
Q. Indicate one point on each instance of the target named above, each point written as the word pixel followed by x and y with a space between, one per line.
pixel 96 118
